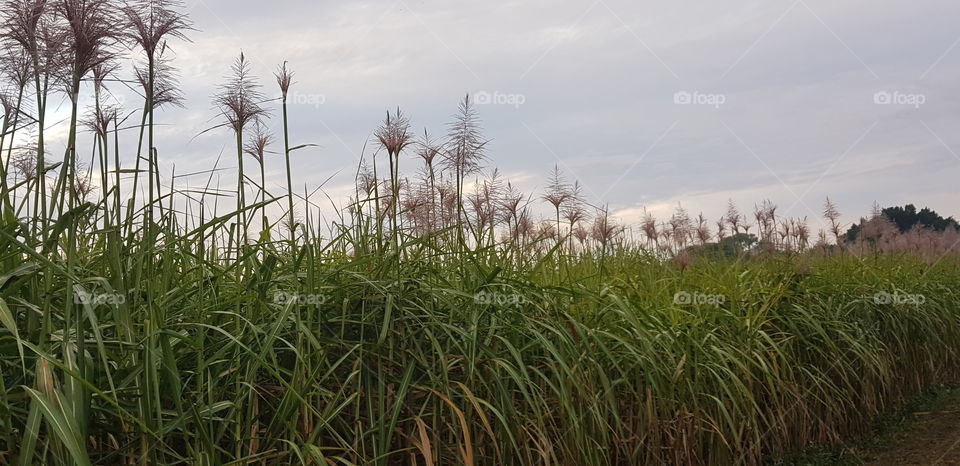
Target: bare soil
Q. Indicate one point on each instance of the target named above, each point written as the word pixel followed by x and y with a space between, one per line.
pixel 932 438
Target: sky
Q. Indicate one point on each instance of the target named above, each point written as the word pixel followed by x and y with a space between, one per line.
pixel 647 104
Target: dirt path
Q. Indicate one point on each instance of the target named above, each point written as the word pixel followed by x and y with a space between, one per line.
pixel 932 438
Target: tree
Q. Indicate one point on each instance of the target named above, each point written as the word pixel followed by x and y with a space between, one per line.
pixel 731 246
pixel 907 218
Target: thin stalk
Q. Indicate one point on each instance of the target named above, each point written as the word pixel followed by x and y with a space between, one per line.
pixel 241 197
pixel 286 152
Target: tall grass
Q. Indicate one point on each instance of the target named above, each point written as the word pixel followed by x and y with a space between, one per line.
pixel 438 322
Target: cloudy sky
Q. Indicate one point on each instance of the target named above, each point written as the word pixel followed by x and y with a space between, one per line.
pixel 646 103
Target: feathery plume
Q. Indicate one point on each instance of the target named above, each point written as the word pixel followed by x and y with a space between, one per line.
pixel 428 149
pixel 21 20
pixel 733 217
pixel 558 191
pixel 150 22
pixel 649 227
pixel 101 118
pixel 166 89
pixel 8 107
pixel 394 134
pixel 256 146
pixel 604 228
pixel 831 213
pixel 239 99
pixel 284 79
pixel 15 65
pixel 25 162
pixel 465 151
pixel 91 33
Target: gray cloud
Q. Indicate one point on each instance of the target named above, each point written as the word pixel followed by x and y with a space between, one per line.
pixel 599 80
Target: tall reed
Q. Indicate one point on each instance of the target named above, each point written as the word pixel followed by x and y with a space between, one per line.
pixel 438 320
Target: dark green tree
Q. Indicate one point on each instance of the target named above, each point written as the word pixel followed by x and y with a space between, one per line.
pixel 907 218
pixel 732 246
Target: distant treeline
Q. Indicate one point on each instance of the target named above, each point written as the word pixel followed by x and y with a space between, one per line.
pixel 907 218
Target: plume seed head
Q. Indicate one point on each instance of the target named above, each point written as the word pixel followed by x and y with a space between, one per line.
pixel 239 99
pixel 394 134
pixel 284 79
